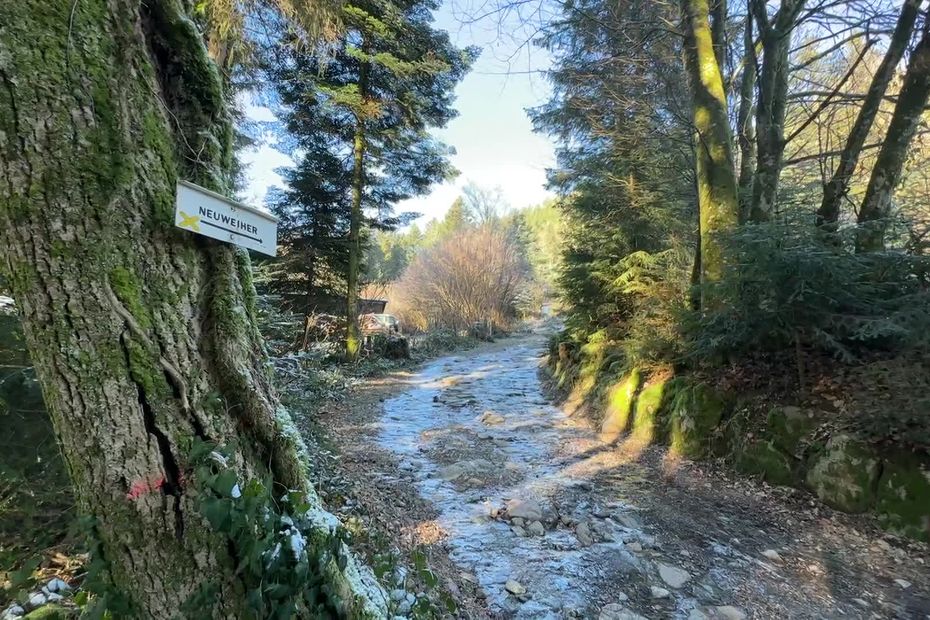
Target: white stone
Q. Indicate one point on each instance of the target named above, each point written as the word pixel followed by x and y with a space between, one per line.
pixel 37 599
pixel 634 546
pixel 728 612
pixel 772 555
pixel 13 611
pixel 903 583
pixel 583 534
pixel 536 529
pixel 514 587
pixel 658 592
pixel 524 509
pixel 615 611
pixel 674 577
pixel 490 418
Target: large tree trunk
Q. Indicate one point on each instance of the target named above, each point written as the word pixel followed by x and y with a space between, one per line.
pixel 835 190
pixel 912 100
pixel 718 203
pixel 143 335
pixel 775 37
pixel 353 336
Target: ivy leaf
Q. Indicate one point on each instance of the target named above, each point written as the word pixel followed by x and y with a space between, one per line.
pixel 224 482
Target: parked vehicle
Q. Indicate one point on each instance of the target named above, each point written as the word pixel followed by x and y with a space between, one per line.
pixel 383 324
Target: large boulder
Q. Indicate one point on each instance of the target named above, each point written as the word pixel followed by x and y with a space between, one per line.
pixel 526 509
pixel 763 459
pixel 619 411
pixel 696 412
pixel 903 502
pixel 648 422
pixel 845 474
pixel 787 426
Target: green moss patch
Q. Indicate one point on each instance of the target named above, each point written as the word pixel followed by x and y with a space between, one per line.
pixel 620 397
pixel 695 414
pixel 903 502
pixel 649 423
pixel 787 426
pixel 51 612
pixel 845 475
pixel 763 459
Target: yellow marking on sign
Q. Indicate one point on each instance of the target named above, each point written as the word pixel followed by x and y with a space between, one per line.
pixel 190 221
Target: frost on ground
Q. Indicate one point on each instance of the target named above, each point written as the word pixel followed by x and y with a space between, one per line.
pixel 551 522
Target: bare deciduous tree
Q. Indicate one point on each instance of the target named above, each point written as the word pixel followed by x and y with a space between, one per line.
pixel 471 277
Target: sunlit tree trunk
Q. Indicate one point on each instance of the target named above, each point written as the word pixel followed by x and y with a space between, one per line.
pixel 718 203
pixel 775 37
pixel 835 190
pixel 143 336
pixel 353 336
pixel 912 100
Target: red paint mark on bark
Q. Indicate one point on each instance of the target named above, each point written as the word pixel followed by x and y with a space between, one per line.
pixel 142 487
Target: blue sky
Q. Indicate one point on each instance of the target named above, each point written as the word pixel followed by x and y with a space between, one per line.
pixel 493 137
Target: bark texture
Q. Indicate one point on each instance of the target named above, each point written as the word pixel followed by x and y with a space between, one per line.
pixel 143 335
pixel 877 204
pixel 775 37
pixel 718 203
pixel 353 336
pixel 835 190
pixel 745 128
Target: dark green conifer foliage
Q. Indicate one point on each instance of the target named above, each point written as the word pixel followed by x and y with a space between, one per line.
pixel 369 101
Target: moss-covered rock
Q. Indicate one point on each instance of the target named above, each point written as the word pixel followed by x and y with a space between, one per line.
pixel 648 420
pixel 51 612
pixel 763 459
pixel 619 411
pixel 695 414
pixel 845 474
pixel 787 426
pixel 903 502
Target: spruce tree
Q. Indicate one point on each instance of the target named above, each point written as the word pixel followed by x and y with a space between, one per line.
pixel 371 100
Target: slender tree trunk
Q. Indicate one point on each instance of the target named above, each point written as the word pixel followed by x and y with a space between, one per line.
pixel 746 133
pixel 142 335
pixel 718 32
pixel 835 190
pixel 353 336
pixel 772 104
pixel 718 203
pixel 876 206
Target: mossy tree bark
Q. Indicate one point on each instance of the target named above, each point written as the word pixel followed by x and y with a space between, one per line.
pixel 912 100
pixel 775 38
pixel 142 335
pixel 718 203
pixel 835 190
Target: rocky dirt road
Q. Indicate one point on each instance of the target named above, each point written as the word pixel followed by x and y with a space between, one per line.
pixel 548 521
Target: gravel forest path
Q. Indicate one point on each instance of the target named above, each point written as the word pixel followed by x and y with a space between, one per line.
pixel 546 520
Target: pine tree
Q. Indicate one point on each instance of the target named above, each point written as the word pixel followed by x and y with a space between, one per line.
pixel 313 212
pixel 388 80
